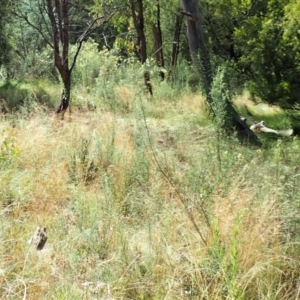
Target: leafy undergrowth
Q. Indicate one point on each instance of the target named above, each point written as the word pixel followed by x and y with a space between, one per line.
pixel 144 202
pixel 15 96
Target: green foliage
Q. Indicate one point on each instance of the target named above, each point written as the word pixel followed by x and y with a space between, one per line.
pixel 118 76
pixel 185 76
pixel 220 97
pixel 258 38
pixel 88 64
pixel 35 63
pixel 144 198
pixel 32 54
pixel 291 22
pixel 223 260
pixel 12 95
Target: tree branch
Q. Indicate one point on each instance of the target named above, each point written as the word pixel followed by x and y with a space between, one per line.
pixel 91 27
pixel 39 30
pixel 190 15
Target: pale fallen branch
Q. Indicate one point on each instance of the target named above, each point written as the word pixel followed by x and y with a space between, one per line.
pixel 260 127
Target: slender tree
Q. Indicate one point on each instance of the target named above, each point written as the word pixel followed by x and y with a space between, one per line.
pixel 201 60
pixel 158 40
pixel 197 43
pixel 137 10
pixel 55 26
pixel 176 39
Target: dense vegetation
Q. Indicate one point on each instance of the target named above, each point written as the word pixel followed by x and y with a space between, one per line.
pixel 258 41
pixel 147 197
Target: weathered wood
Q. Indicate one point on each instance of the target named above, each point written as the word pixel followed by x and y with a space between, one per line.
pixel 39 238
pixel 260 127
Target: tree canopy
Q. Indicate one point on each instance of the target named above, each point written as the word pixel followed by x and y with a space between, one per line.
pixel 258 41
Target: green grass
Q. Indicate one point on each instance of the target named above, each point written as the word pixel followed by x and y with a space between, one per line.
pixel 142 200
pixel 17 95
pixel 273 116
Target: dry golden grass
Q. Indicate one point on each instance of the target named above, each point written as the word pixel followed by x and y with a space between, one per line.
pixel 192 103
pixel 129 231
pixel 259 227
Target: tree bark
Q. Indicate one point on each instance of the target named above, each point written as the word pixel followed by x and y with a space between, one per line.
pixel 137 11
pixel 197 44
pixel 176 39
pixel 158 44
pixel 65 97
pixel 59 19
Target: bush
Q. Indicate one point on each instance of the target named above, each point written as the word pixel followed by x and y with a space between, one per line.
pixel 88 64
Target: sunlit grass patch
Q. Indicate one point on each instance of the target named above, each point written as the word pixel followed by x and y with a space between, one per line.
pixel 192 103
pixel 273 115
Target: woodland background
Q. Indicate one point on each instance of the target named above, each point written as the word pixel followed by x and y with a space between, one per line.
pixel 149 196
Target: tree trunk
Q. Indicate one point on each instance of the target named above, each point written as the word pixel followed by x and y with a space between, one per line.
pixel 56 34
pixel 201 60
pixel 65 97
pixel 59 19
pixel 176 39
pixel 158 45
pixel 148 82
pixel 197 44
pixel 137 10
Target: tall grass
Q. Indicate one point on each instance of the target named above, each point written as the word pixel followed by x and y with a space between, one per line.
pixel 143 200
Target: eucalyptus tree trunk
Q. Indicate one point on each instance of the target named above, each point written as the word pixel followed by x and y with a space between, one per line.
pixel 201 59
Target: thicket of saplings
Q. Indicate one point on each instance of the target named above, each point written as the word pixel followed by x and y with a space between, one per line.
pixel 142 198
